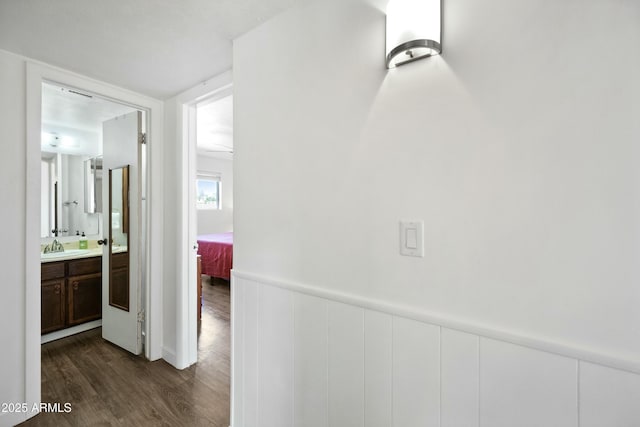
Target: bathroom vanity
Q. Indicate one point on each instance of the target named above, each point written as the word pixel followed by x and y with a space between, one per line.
pixel 71 291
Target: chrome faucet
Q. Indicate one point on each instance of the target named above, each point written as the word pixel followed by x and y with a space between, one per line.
pixel 55 246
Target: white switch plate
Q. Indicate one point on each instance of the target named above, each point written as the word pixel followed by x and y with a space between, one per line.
pixel 412 238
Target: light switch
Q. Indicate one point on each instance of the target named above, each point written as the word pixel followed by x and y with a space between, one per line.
pixel 412 238
pixel 411 234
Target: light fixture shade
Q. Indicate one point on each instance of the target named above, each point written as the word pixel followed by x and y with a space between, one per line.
pixel 413 30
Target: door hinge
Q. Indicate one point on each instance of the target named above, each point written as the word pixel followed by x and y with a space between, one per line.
pixel 141 316
pixel 143 138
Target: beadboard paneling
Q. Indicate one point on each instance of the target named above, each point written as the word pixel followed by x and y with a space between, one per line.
pixel 238 306
pixel 308 361
pixel 275 362
pixel 310 364
pixel 250 357
pixel 608 397
pixel 523 387
pixel 416 373
pixel 378 369
pixel 460 379
pixel 346 367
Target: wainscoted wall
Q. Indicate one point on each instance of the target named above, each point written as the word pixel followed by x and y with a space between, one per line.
pixel 302 360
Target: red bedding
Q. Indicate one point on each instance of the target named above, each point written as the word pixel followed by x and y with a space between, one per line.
pixel 217 254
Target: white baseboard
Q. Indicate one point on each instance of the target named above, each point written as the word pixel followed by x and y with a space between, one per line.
pixel 63 333
pixel 169 356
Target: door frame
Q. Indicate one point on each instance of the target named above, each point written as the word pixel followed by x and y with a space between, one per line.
pixel 36 73
pixel 186 305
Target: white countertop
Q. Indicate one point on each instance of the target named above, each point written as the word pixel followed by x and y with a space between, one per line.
pixel 77 254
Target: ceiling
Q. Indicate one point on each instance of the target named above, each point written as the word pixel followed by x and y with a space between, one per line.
pixel 72 120
pixel 155 47
pixel 215 128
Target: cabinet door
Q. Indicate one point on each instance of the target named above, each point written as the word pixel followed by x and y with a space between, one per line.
pixel 85 298
pixel 85 266
pixel 52 312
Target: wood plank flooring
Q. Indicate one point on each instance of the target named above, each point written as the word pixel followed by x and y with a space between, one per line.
pixel 107 386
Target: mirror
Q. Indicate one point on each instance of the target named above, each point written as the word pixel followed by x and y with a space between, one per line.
pixel 63 196
pixel 119 237
pixel 93 185
pixel 70 141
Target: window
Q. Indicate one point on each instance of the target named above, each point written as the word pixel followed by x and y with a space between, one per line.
pixel 208 191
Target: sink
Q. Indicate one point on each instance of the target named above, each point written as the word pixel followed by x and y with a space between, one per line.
pixel 66 253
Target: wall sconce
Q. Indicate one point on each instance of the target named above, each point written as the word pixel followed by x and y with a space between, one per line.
pixel 413 30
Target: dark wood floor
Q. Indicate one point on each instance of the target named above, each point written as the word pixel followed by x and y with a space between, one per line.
pixel 107 386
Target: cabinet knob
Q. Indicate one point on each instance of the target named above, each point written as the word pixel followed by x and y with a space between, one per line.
pixel 75 286
pixel 56 289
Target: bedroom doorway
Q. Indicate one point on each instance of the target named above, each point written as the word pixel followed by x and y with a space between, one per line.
pixel 214 224
pixel 217 195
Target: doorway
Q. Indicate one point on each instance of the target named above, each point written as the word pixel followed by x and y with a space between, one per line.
pixel 85 142
pixel 187 331
pixel 214 218
pixel 187 305
pixel 36 75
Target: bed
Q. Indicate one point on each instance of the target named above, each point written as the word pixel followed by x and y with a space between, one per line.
pixel 216 251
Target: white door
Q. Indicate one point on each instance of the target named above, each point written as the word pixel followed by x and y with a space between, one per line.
pixel 122 228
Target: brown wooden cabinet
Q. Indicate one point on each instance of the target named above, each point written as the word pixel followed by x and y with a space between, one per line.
pixel 53 305
pixel 71 293
pixel 84 299
pixel 52 291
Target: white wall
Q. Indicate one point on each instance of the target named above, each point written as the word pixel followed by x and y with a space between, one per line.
pixel 219 220
pixel 171 215
pixel 516 147
pixel 12 215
